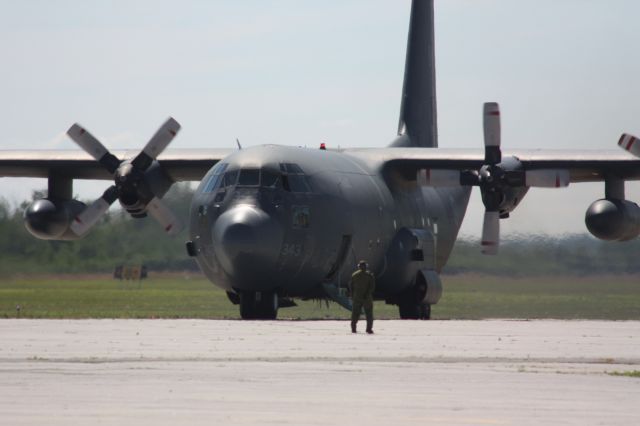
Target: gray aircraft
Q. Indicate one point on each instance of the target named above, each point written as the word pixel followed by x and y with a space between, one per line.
pixel 269 224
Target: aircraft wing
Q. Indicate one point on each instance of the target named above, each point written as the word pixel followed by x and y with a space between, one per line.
pixel 192 164
pixel 582 165
pixel 180 165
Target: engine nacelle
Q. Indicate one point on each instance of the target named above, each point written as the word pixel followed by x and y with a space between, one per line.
pixel 512 197
pixel 50 219
pixel 429 286
pixel 613 220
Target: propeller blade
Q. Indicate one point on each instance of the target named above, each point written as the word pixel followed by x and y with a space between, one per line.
pixel 630 143
pixel 93 212
pixel 93 147
pixel 156 144
pixel 547 178
pixel 163 214
pixel 491 124
pixel 491 233
pixel 438 177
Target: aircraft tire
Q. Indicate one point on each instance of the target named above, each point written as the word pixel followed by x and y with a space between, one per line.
pixel 424 311
pixel 409 310
pixel 248 306
pixel 266 308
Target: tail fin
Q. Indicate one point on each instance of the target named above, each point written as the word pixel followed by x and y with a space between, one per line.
pixel 418 116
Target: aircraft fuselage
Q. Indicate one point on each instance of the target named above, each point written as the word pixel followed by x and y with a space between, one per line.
pixel 287 220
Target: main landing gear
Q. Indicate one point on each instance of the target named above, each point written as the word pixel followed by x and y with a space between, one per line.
pixel 413 310
pixel 259 305
pixel 410 302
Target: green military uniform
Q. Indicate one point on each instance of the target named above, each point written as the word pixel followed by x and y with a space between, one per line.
pixel 362 285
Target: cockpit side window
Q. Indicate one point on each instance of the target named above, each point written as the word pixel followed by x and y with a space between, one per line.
pixel 213 180
pixel 222 167
pixel 249 177
pixel 298 183
pixel 293 178
pixel 216 177
pixel 293 169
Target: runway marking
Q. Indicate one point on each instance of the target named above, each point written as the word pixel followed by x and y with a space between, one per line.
pixel 371 359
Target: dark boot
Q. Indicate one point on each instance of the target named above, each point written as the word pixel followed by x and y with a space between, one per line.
pixel 370 326
pixel 353 326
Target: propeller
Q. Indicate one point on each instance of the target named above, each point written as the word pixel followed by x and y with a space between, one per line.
pixel 630 143
pixel 165 217
pixel 490 232
pixel 94 211
pixel 497 178
pixel 490 179
pixel 131 186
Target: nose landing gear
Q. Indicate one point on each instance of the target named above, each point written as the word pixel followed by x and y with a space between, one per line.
pixel 259 305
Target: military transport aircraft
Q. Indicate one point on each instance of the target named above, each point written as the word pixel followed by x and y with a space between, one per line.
pixel 272 223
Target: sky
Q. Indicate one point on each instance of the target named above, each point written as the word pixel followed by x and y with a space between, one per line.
pixel 565 72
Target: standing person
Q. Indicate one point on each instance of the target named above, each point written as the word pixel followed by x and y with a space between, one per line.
pixel 362 285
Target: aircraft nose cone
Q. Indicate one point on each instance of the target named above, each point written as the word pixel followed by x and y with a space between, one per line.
pixel 247 244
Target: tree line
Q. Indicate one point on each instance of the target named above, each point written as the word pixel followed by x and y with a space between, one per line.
pixel 527 255
pixel 119 239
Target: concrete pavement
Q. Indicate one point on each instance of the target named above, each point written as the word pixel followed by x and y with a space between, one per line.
pixel 170 372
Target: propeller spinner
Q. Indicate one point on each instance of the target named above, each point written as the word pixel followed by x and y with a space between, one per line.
pixel 131 186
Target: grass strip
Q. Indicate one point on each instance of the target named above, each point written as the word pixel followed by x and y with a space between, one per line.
pixel 188 296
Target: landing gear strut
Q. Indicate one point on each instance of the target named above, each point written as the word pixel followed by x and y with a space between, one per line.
pixel 412 310
pixel 259 305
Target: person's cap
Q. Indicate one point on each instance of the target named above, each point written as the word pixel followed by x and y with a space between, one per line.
pixel 362 262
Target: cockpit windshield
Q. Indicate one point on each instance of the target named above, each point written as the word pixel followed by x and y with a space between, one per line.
pixel 230 178
pixel 249 177
pixel 270 179
pixel 290 177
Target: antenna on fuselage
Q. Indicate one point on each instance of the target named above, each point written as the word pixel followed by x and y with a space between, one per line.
pixel 238 142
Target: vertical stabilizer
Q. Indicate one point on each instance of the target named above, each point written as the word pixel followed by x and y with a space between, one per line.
pixel 418 117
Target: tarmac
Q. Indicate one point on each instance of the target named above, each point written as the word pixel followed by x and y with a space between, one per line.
pixel 196 372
